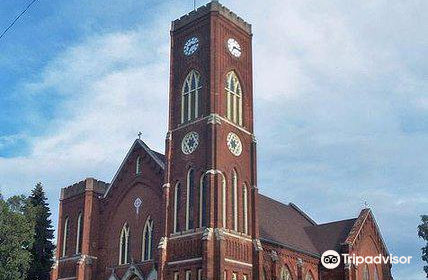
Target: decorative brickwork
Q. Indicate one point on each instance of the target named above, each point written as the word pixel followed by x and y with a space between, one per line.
pixel 195 212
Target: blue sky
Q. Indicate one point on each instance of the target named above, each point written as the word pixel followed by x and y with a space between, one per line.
pixel 340 97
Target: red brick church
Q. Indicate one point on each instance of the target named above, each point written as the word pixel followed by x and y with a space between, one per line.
pixel 195 212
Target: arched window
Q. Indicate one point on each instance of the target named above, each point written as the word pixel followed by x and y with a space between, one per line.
pixel 235 200
pixel 176 206
pixel 375 273
pixel 234 98
pixel 190 198
pixel 286 275
pixel 309 276
pixel 190 97
pixel 224 202
pixel 64 237
pixel 203 201
pixel 148 240
pixel 245 208
pixel 264 274
pixel 124 245
pixel 366 275
pixel 79 236
pixel 138 165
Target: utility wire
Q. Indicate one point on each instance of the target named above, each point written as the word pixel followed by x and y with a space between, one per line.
pixel 16 19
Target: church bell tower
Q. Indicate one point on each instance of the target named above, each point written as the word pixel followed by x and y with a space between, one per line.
pixel 210 191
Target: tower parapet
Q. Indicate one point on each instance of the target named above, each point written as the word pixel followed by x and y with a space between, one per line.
pixel 89 184
pixel 213 6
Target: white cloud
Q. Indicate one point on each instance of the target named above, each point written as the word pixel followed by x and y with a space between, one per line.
pixel 340 99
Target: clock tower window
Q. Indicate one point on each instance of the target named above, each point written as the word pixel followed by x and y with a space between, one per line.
pixel 203 201
pixel 235 200
pixel 190 199
pixel 176 207
pixel 234 98
pixel 190 96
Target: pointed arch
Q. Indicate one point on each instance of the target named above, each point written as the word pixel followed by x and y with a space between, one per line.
pixel 176 206
pixel 245 207
pixel 79 235
pixel 190 194
pixel 235 199
pixel 148 240
pixel 139 165
pixel 65 237
pixel 124 245
pixel 190 96
pixel 203 192
pixel 234 98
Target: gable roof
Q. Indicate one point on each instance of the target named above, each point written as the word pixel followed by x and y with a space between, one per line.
pixel 285 225
pixel 157 157
pixel 364 215
pixel 288 226
pixel 329 236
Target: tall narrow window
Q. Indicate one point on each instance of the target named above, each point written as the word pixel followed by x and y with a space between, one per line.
pixel 124 245
pixel 176 275
pixel 188 274
pixel 190 96
pixel 139 165
pixel 309 276
pixel 285 274
pixel 224 195
pixel 64 237
pixel 234 98
pixel 376 273
pixel 203 201
pixel 366 275
pixel 79 236
pixel 148 240
pixel 245 208
pixel 235 200
pixel 190 199
pixel 200 274
pixel 176 206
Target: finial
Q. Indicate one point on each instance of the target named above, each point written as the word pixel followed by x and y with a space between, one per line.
pixel 365 204
pixel 139 135
pixel 194 5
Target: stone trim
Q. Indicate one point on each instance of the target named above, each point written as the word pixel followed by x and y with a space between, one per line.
pixel 238 262
pixel 185 261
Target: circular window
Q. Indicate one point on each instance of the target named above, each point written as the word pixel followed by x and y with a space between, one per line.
pixel 190 142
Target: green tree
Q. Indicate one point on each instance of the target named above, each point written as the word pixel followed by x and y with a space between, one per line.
pixel 16 237
pixel 423 233
pixel 43 248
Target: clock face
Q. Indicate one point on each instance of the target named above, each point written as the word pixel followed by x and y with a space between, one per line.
pixel 190 142
pixel 234 144
pixel 191 46
pixel 234 47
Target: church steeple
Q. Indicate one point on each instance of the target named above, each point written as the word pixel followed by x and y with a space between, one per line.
pixel 211 149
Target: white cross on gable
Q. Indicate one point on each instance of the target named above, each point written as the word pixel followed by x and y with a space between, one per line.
pixel 137 204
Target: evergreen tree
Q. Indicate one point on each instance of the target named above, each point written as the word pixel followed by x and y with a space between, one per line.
pixel 43 248
pixel 423 233
pixel 16 237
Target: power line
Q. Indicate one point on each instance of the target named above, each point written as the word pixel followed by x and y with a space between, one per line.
pixel 16 19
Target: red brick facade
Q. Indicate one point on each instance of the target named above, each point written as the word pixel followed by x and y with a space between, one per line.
pixel 159 220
